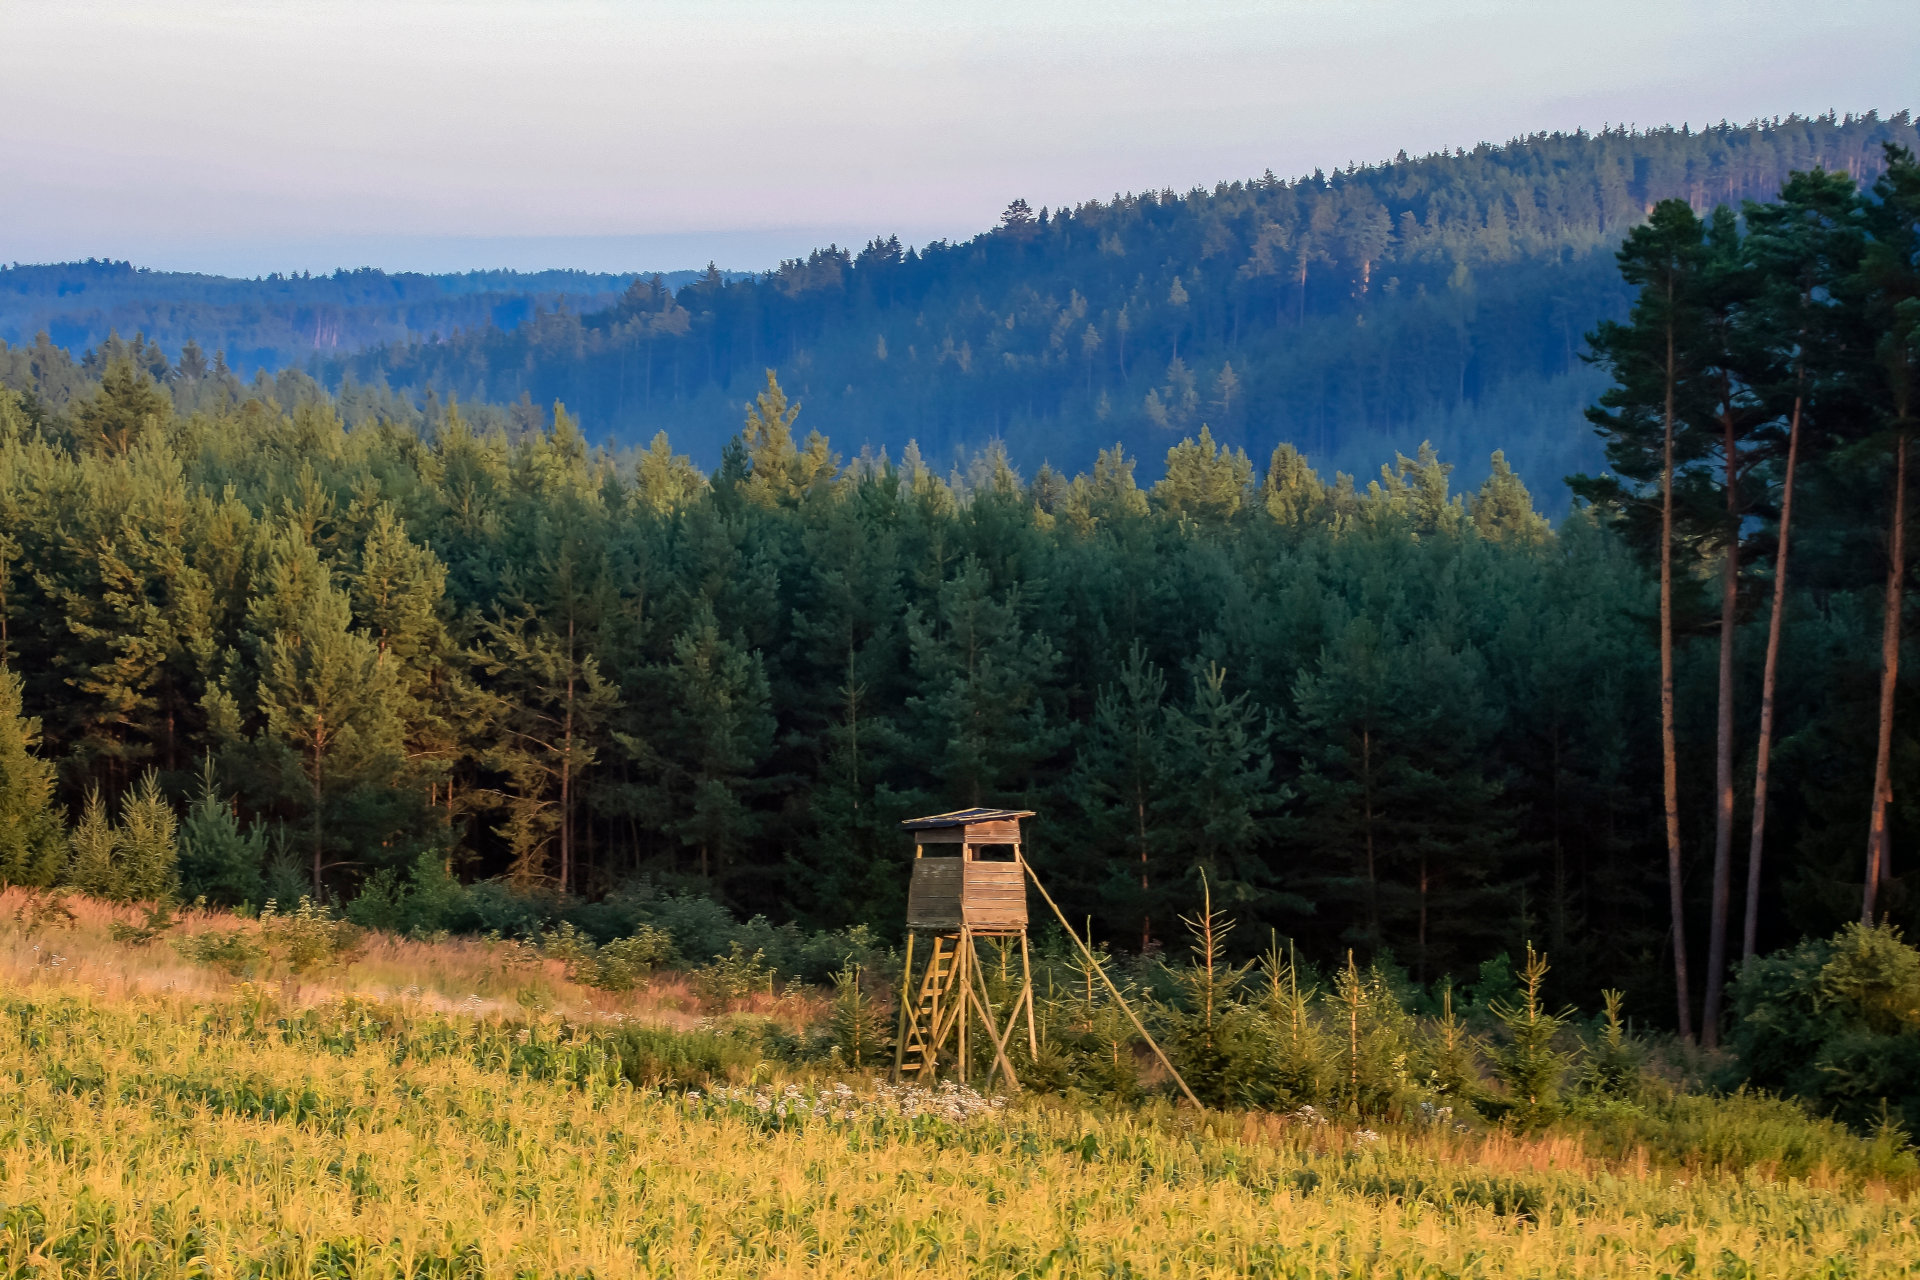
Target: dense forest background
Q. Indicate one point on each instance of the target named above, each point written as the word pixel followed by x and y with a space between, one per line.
pixel 283 320
pixel 360 639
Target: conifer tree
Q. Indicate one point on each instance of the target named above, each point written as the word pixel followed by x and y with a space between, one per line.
pixel 549 704
pixel 1892 281
pixel 1803 247
pixel 1292 493
pixel 1121 781
pixel 1657 358
pixel 984 712
pixel 147 845
pixel 321 702
pixel 127 407
pixel 847 628
pixel 1204 482
pixel 722 729
pixel 93 865
pixel 30 829
pixel 1503 509
pixel 219 861
pixel 1222 784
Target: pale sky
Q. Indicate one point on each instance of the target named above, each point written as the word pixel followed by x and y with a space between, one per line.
pixel 258 137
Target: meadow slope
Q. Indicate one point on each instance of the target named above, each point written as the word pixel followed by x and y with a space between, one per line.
pixel 160 1121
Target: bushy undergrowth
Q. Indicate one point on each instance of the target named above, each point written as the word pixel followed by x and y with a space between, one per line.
pixel 1835 1021
pixel 661 927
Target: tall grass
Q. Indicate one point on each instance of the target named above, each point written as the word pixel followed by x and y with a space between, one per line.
pixel 192 1134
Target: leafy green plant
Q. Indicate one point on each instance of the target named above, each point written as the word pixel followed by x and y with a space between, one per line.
pixel 310 937
pixel 236 952
pixel 1835 1021
pixel 620 965
pixel 733 976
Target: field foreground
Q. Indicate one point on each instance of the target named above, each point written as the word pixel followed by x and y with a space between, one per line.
pixel 213 1135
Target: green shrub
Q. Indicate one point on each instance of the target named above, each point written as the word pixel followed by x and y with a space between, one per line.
pixel 309 938
pixel 237 952
pixel 620 965
pixel 733 976
pixel 1835 1021
pixel 1739 1131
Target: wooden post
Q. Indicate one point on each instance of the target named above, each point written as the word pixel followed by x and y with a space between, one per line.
pixel 1026 968
pixel 906 989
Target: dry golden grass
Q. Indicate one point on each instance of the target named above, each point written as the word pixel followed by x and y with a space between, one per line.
pixel 159 1120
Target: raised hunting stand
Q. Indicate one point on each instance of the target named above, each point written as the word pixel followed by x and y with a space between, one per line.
pixel 969 882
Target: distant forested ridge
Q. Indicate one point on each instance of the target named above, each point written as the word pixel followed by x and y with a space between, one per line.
pixel 280 321
pixel 1351 313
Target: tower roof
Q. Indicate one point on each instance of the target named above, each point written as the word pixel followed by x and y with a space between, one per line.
pixel 964 818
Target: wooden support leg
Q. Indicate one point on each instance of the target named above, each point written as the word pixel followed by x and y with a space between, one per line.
pixel 1026 967
pixel 979 993
pixel 906 1005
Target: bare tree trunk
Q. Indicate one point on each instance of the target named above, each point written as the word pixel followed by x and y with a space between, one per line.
pixel 1723 752
pixel 1670 768
pixel 319 794
pixel 1373 883
pixel 1756 841
pixel 566 777
pixel 1421 951
pixel 1146 918
pixel 1877 847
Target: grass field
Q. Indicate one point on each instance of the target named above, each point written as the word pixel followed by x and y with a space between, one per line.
pixel 157 1121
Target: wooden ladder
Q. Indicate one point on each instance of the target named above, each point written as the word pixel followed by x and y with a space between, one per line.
pixel 919 1051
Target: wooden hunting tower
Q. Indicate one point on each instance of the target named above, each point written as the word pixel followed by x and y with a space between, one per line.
pixel 969 882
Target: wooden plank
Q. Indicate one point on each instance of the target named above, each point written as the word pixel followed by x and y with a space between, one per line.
pixel 933 895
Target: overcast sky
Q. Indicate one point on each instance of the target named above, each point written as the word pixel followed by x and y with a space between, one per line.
pixel 620 136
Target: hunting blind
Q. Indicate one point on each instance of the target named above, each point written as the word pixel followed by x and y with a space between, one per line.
pixel 970 882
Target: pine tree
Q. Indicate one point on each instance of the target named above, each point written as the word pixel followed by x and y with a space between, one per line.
pixel 218 861
pixel 146 844
pixel 722 728
pixel 31 839
pixel 1221 786
pixel 1892 285
pixel 127 407
pixel 1803 247
pixel 93 865
pixel 325 705
pixel 984 711
pixel 549 704
pixel 1503 509
pixel 1121 783
pixel 1204 482
pixel 1658 362
pixel 1292 493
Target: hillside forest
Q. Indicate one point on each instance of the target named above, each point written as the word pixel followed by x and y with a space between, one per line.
pixel 262 640
pixel 1353 313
